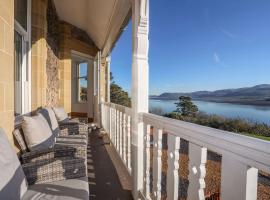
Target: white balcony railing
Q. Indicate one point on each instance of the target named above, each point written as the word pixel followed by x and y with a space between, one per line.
pixel 242 156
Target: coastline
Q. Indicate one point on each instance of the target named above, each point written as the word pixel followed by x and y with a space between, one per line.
pixel 230 101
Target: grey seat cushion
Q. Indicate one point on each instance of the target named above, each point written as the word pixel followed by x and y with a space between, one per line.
pixel 72 189
pixel 13 184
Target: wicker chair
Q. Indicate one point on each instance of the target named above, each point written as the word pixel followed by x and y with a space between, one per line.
pixel 60 149
pixel 49 178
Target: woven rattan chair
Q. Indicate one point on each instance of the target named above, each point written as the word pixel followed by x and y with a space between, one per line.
pixel 52 177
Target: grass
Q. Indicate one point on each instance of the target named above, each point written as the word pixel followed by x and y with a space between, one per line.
pixel 256 136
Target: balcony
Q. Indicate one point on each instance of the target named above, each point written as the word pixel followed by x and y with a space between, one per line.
pixel 133 154
pixel 187 161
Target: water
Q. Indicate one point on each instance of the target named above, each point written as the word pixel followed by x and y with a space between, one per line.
pixel 250 112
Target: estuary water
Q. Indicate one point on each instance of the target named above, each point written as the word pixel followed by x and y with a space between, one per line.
pixel 255 113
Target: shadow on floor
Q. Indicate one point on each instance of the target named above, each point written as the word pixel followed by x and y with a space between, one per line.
pixel 107 179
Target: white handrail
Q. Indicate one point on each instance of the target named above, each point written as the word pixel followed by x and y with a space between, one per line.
pixel 251 151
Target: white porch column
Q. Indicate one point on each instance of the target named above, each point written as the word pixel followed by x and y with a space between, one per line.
pixel 108 60
pixel 140 17
pixel 97 100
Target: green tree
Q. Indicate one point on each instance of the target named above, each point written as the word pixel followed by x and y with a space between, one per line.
pixel 118 95
pixel 185 107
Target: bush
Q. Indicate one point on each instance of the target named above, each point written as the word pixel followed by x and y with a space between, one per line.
pixel 237 125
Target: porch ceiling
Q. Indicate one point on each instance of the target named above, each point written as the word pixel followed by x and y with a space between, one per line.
pixel 103 20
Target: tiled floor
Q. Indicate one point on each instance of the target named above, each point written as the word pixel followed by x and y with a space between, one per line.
pixel 108 177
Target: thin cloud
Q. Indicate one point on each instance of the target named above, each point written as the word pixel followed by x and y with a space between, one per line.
pixel 228 33
pixel 216 58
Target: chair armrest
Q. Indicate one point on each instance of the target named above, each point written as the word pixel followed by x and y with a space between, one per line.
pixel 80 149
pixel 57 151
pixel 65 134
pixel 69 140
pixel 80 119
pixel 54 170
pixel 73 128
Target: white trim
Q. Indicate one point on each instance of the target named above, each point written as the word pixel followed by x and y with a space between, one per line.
pixel 26 60
pixel 29 30
pixel 81 57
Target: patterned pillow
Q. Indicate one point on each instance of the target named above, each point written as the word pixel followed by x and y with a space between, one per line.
pixel 37 132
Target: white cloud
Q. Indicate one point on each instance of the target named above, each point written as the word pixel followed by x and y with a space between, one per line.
pixel 228 33
pixel 216 58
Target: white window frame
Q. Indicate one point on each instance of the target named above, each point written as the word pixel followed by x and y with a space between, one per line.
pixel 26 60
pixel 76 55
pixel 78 78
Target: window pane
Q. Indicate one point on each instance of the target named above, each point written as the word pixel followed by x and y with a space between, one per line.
pixel 20 12
pixel 83 70
pixel 82 90
pixel 18 73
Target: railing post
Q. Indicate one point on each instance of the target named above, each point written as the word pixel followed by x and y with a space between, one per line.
pixel 147 145
pixel 140 16
pixel 173 166
pixel 157 164
pixel 197 171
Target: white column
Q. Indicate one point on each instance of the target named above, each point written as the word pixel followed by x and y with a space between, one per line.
pixel 97 100
pixel 140 16
pixel 108 60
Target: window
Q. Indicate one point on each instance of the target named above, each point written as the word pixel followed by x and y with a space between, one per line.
pixel 20 12
pixel 82 71
pixel 18 72
pixel 21 64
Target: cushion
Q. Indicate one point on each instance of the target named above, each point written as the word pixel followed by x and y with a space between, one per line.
pixel 60 113
pixel 50 116
pixel 71 189
pixel 13 184
pixel 37 132
pixel 20 139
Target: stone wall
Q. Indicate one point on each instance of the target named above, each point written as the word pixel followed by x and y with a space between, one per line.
pixel 71 38
pixel 52 62
pixel 52 43
pixel 6 67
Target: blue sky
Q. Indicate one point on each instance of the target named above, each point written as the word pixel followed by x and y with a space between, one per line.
pixel 201 45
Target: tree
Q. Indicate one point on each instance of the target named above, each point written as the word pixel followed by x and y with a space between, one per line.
pixel 118 95
pixel 185 107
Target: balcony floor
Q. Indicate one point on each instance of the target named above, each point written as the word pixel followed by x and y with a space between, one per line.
pixel 108 177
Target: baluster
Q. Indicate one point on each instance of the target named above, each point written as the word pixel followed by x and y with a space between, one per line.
pixel 120 134
pixel 173 166
pixel 197 171
pixel 114 133
pixel 129 144
pixel 117 130
pixel 157 164
pixel 124 139
pixel 110 123
pixel 147 129
pixel 238 181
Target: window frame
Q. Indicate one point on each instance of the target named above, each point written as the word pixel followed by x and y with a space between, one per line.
pixel 78 78
pixel 26 62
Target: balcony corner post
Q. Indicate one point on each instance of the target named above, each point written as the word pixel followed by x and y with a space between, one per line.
pixel 139 93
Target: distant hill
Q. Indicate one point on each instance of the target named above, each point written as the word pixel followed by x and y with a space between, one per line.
pixel 256 95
